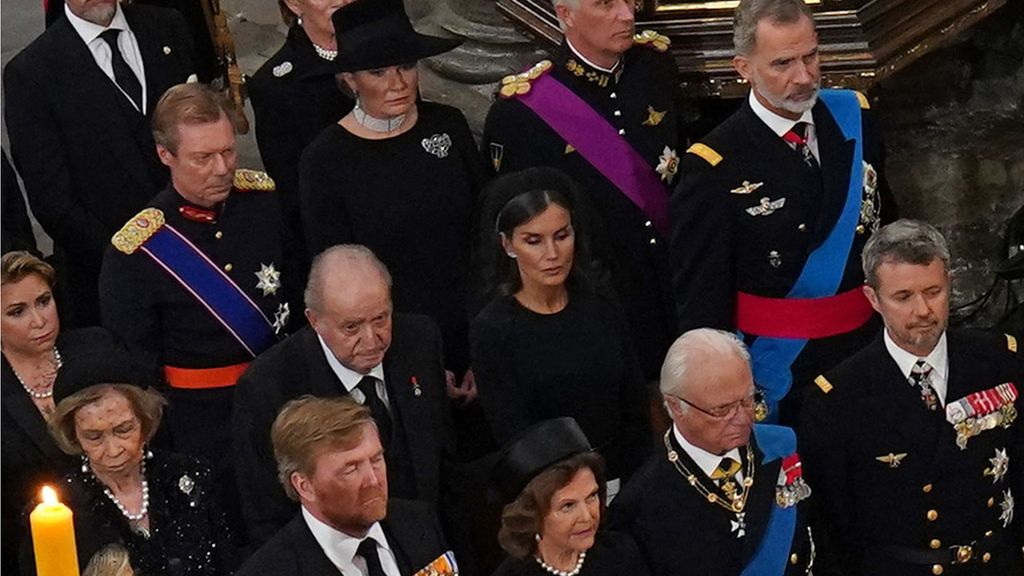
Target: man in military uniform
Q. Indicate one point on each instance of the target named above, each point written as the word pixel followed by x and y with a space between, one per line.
pixel 773 208
pixel 193 281
pixel 912 444
pixel 604 112
pixel 724 496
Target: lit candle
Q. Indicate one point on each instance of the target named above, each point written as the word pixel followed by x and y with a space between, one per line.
pixel 53 537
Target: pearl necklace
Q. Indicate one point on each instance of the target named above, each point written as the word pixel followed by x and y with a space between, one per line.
pixel 143 510
pixel 324 53
pixel 380 125
pixel 557 572
pixel 35 393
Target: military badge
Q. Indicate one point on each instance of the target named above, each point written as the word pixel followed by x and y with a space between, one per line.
pixel 416 389
pixel 980 411
pixel 497 153
pixel 654 117
pixel 893 460
pixel 438 145
pixel 766 207
pixel 443 565
pixel 791 487
pixel 774 259
pixel 1007 508
pixel 268 279
pixel 1000 466
pixel 282 69
pixel 668 164
pixel 746 187
pixel 281 317
pixel 871 203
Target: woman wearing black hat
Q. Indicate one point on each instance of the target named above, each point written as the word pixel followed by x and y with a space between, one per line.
pixel 551 343
pixel 554 487
pixel 396 174
pixel 162 507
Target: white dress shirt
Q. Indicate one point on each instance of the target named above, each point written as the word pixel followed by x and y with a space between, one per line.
pixel 706 461
pixel 938 359
pixel 577 54
pixel 350 378
pixel 126 41
pixel 780 125
pixel 340 548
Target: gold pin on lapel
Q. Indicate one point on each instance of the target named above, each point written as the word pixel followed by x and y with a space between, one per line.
pixel 746 187
pixel 893 460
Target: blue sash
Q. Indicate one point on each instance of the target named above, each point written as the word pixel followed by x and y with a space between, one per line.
pixel 775 442
pixel 228 304
pixel 772 358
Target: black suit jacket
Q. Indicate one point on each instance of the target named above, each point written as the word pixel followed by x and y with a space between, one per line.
pixel 679 532
pixel 871 412
pixel 422 440
pixel 411 529
pixel 86 155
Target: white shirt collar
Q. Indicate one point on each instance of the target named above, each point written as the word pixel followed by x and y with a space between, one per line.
pixel 705 460
pixel 778 124
pixel 589 63
pixel 937 358
pixel 89 31
pixel 339 547
pixel 349 378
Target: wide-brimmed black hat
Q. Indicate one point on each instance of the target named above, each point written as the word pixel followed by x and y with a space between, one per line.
pixel 541 445
pixel 101 364
pixel 377 33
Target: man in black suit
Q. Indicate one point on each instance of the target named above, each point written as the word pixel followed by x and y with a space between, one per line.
pixel 354 346
pixel 725 495
pixel 917 433
pixel 768 224
pixel 330 460
pixel 78 117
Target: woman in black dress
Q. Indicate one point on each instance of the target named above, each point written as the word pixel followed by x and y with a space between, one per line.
pixel 396 174
pixel 555 490
pixel 550 343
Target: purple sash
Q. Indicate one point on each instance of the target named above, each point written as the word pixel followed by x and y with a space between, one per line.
pixel 601 145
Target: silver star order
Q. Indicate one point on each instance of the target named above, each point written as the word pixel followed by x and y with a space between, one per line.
pixel 186 484
pixel 281 317
pixel 1000 466
pixel 739 525
pixel 1007 506
pixel 269 279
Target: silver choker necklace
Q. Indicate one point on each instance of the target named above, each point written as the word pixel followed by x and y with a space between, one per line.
pixel 380 125
pixel 324 53
pixel 557 572
pixel 34 392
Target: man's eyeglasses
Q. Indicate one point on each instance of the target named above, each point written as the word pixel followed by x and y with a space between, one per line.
pixel 747 403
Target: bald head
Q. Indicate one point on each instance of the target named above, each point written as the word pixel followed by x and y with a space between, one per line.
pixel 343 267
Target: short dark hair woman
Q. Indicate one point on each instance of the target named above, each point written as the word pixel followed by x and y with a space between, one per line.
pixel 551 343
pixel 555 490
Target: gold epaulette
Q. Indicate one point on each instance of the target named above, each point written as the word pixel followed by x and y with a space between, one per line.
pixel 705 152
pixel 864 104
pixel 139 229
pixel 823 383
pixel 253 181
pixel 519 84
pixel 653 40
pixel 1011 343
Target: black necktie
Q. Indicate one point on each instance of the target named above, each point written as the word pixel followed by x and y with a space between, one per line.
pixel 123 74
pixel 797 138
pixel 368 550
pixel 368 386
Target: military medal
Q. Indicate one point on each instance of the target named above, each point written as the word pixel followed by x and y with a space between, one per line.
pixel 791 487
pixel 416 390
pixel 497 153
pixel 739 525
pixel 268 279
pixel 774 259
pixel 980 411
pixel 1000 465
pixel 281 317
pixel 668 164
pixel 766 207
pixel 186 484
pixel 870 206
pixel 654 117
pixel 1007 508
pixel 438 145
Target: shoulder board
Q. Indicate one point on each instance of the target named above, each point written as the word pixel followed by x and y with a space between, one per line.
pixel 864 104
pixel 253 180
pixel 653 40
pixel 519 84
pixel 138 230
pixel 823 383
pixel 705 152
pixel 1011 343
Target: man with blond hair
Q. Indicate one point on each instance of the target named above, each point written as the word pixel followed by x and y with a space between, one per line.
pixel 331 461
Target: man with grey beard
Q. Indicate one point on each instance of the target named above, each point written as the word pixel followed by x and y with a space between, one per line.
pixel 773 208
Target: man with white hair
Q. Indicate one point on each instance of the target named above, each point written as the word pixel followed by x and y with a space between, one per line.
pixel 724 496
pixel 604 111
pixel 773 208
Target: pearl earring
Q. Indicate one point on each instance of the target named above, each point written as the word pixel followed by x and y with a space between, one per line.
pixel 536 537
pixel 298 19
pixel 511 255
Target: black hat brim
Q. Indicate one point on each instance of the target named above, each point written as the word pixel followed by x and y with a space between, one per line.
pixel 406 50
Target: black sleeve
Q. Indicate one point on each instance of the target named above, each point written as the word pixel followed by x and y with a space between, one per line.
pixel 16 231
pixel 325 217
pixel 127 306
pixel 278 141
pixel 498 386
pixel 634 400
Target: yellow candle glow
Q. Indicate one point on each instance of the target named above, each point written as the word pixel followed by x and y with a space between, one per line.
pixel 53 537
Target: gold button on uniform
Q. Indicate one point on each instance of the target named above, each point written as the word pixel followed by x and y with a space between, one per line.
pixel 991 502
pixel 988 534
pixel 653 241
pixel 937 569
pixel 932 515
pixel 218 235
pixel 622 131
pixel 647 224
pixel 802 227
pixel 617 113
pixel 793 559
pixel 935 544
pixel 986 557
pixel 860 230
pixel 926 488
pixel 228 267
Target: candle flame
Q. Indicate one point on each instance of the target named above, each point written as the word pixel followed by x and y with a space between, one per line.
pixel 49 495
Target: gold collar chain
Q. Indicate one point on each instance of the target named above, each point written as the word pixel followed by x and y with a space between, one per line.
pixel 734 506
